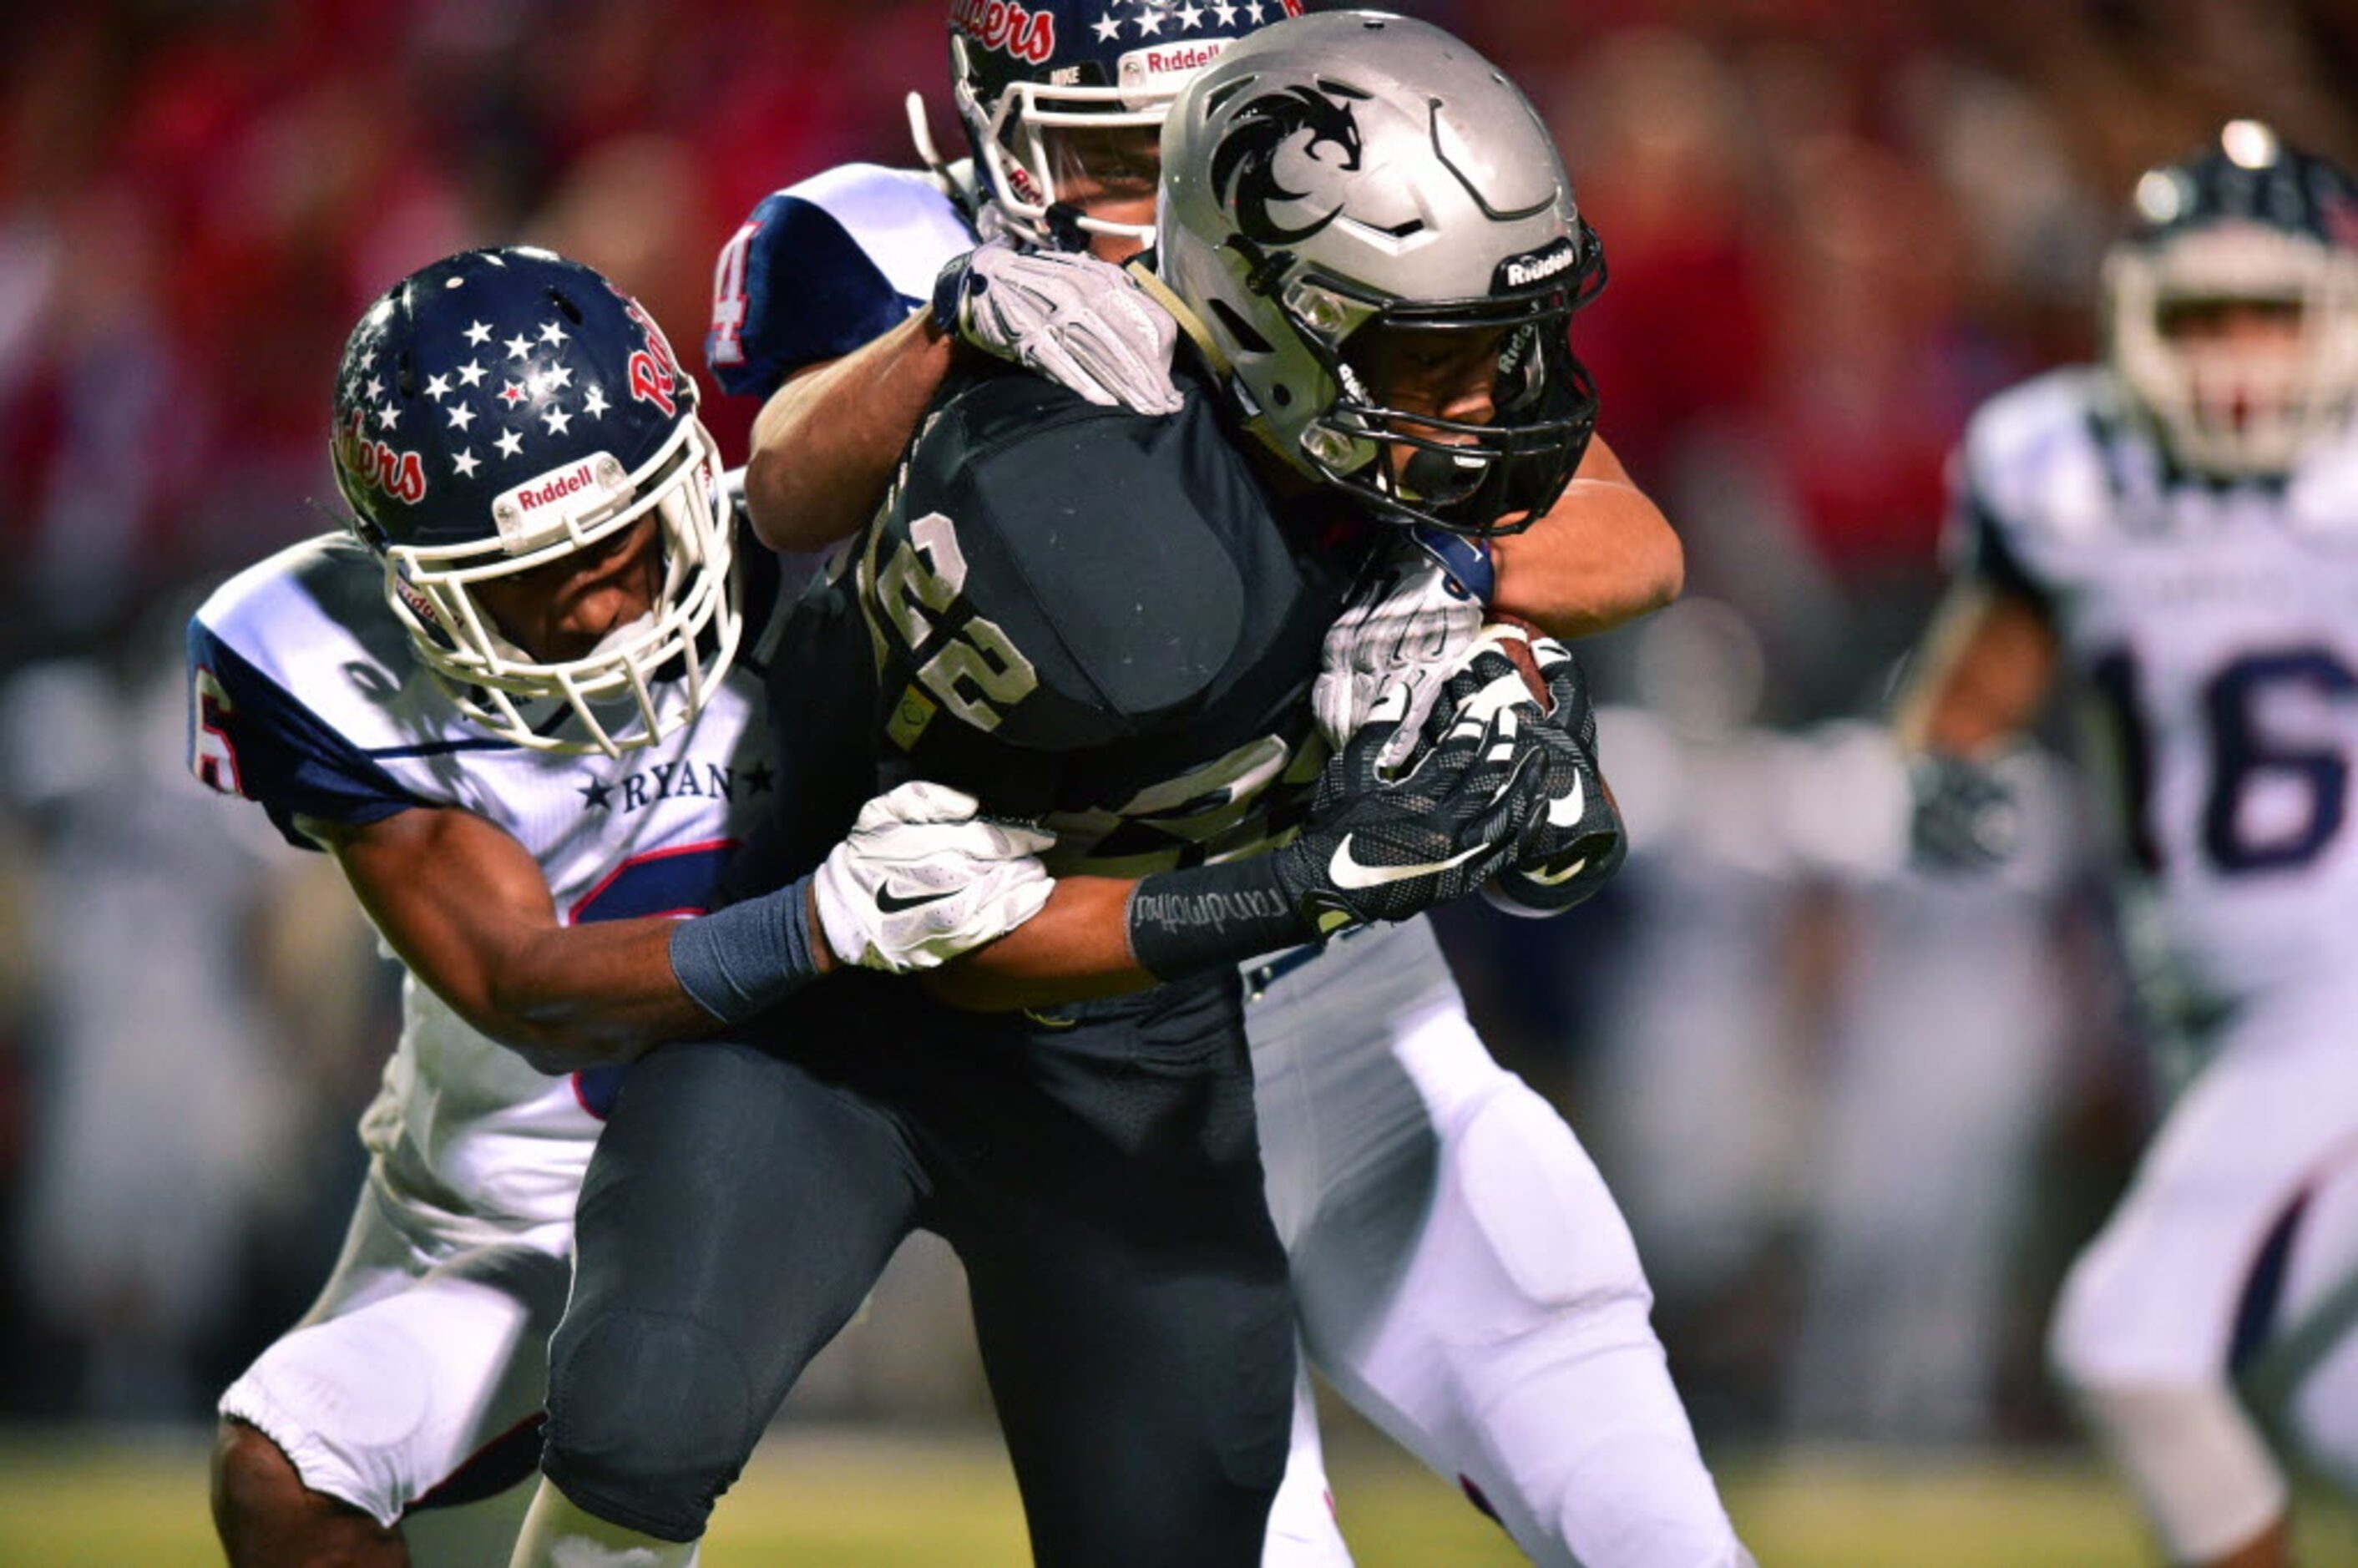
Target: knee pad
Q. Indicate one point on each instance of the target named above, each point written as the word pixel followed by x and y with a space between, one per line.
pixel 396 1399
pixel 2197 1461
pixel 649 1421
pixel 1530 1197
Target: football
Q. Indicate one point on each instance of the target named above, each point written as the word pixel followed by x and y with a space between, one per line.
pixel 1538 892
pixel 1519 653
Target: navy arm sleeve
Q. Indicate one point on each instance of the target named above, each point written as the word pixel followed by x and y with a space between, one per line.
pixel 248 737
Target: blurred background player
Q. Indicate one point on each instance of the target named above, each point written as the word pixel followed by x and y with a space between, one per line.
pixel 1433 1292
pixel 2172 528
pixel 1113 623
pixel 519 703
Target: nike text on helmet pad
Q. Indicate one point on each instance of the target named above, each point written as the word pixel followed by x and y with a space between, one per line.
pixel 1355 172
pixel 498 412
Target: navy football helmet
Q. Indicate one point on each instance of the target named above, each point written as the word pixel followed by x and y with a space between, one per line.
pixel 2250 222
pixel 1022 73
pixel 496 411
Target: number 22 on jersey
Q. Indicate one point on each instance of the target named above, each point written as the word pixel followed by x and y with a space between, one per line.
pixel 965 661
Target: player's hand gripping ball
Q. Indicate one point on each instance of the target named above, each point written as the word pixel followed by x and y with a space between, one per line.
pixel 1576 843
pixel 1413 614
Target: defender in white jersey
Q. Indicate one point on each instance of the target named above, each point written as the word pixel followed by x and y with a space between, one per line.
pixel 2178 529
pixel 523 706
pixel 1461 1272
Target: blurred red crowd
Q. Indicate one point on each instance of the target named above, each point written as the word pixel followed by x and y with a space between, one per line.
pixel 1832 225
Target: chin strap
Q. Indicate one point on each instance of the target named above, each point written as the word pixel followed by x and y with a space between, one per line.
pixel 1255 421
pixel 1181 312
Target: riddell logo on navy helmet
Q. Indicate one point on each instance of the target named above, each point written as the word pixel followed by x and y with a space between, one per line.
pixel 1524 270
pixel 556 489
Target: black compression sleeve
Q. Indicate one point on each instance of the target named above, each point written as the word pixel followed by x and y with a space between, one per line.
pixel 1183 923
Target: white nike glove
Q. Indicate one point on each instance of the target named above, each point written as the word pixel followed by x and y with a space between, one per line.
pixel 1407 624
pixel 1076 319
pixel 921 879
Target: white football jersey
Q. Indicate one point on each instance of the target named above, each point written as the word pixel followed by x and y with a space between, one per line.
pixel 2216 630
pixel 305 696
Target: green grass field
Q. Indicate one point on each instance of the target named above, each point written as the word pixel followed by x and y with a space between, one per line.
pixel 859 1499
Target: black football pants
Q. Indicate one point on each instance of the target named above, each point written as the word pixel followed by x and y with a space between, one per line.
pixel 1098 1178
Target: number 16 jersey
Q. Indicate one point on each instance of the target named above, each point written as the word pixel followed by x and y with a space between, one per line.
pixel 2216 628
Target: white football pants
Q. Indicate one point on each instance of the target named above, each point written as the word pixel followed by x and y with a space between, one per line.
pixel 1463 1276
pixel 418 1358
pixel 2231 1266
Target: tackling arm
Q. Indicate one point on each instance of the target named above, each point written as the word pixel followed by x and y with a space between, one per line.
pixel 469 910
pixel 1602 556
pixel 1075 948
pixel 824 444
pixel 918 880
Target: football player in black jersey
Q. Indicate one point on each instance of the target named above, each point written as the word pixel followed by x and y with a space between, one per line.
pixel 1491 1373
pixel 1110 622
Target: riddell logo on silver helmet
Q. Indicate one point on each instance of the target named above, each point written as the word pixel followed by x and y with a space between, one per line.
pixel 1522 271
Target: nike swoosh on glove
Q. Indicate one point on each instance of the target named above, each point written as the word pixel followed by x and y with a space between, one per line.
pixel 1578 841
pixel 1381 845
pixel 922 878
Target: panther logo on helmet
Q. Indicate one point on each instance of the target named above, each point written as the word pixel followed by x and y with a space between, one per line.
pixel 1244 165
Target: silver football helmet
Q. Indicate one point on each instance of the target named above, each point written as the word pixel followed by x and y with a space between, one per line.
pixel 1338 179
pixel 2247 224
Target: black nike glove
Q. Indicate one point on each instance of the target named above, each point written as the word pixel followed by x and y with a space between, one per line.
pixel 1576 843
pixel 1379 847
pixel 1964 818
pixel 1375 847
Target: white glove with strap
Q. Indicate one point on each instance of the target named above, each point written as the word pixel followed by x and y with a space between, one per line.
pixel 921 877
pixel 1079 321
pixel 1407 622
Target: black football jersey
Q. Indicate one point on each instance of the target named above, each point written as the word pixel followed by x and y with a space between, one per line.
pixel 1078 614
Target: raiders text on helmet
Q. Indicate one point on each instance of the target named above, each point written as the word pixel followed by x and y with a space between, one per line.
pixel 1022 73
pixel 497 412
pixel 1344 176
